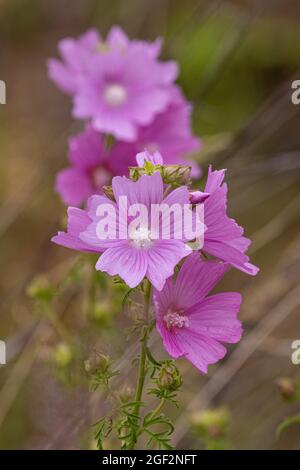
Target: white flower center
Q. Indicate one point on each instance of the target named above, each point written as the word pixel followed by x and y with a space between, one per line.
pixel 176 319
pixel 141 237
pixel 115 95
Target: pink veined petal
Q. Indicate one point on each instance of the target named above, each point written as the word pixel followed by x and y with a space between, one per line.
pixel 90 237
pixel 73 186
pixel 215 317
pixel 163 299
pixel 219 226
pixel 247 268
pixel 147 190
pixel 169 340
pixel 170 224
pixel 129 263
pixel 78 220
pixel 225 252
pixel 240 243
pixel 163 256
pixel 180 196
pixel 95 201
pixel 214 179
pixel 199 349
pixel 196 279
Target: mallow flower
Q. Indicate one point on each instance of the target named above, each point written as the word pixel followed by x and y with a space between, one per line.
pixel 76 53
pixel 192 323
pixel 133 251
pixel 116 85
pixel 223 237
pixel 91 167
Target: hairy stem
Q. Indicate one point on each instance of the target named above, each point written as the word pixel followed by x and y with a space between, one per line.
pixel 157 409
pixel 143 357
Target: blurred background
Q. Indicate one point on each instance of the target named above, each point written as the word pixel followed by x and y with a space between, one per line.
pixel 237 60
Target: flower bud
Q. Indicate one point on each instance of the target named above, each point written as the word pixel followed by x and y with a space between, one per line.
pixel 97 363
pixel 62 355
pixel 287 388
pixel 126 393
pixel 40 289
pixel 100 313
pixel 169 377
pixel 212 423
pixel 108 191
pixel 176 175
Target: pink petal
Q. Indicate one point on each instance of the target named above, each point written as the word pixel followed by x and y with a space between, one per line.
pixel 195 280
pixel 78 220
pixel 163 256
pixel 86 150
pixel 170 340
pixel 129 263
pixel 199 349
pixel 225 252
pixel 215 317
pixel 73 186
pixel 147 190
pixel 214 180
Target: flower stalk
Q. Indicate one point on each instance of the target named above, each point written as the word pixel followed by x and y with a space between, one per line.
pixel 142 364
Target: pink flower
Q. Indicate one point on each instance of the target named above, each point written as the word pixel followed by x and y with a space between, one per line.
pixel 192 324
pixel 224 237
pixel 91 167
pixel 139 255
pixel 119 85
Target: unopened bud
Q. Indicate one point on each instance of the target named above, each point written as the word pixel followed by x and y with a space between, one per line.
pixel 176 175
pixel 169 377
pixel 97 363
pixel 100 313
pixel 211 423
pixel 126 393
pixel 108 191
pixel 40 289
pixel 287 388
pixel 62 355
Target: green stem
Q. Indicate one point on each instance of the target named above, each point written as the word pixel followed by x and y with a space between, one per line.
pixel 142 363
pixel 157 409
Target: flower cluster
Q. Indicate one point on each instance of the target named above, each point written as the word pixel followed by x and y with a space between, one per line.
pixel 129 101
pixel 133 108
pixel 132 205
pixel 191 323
